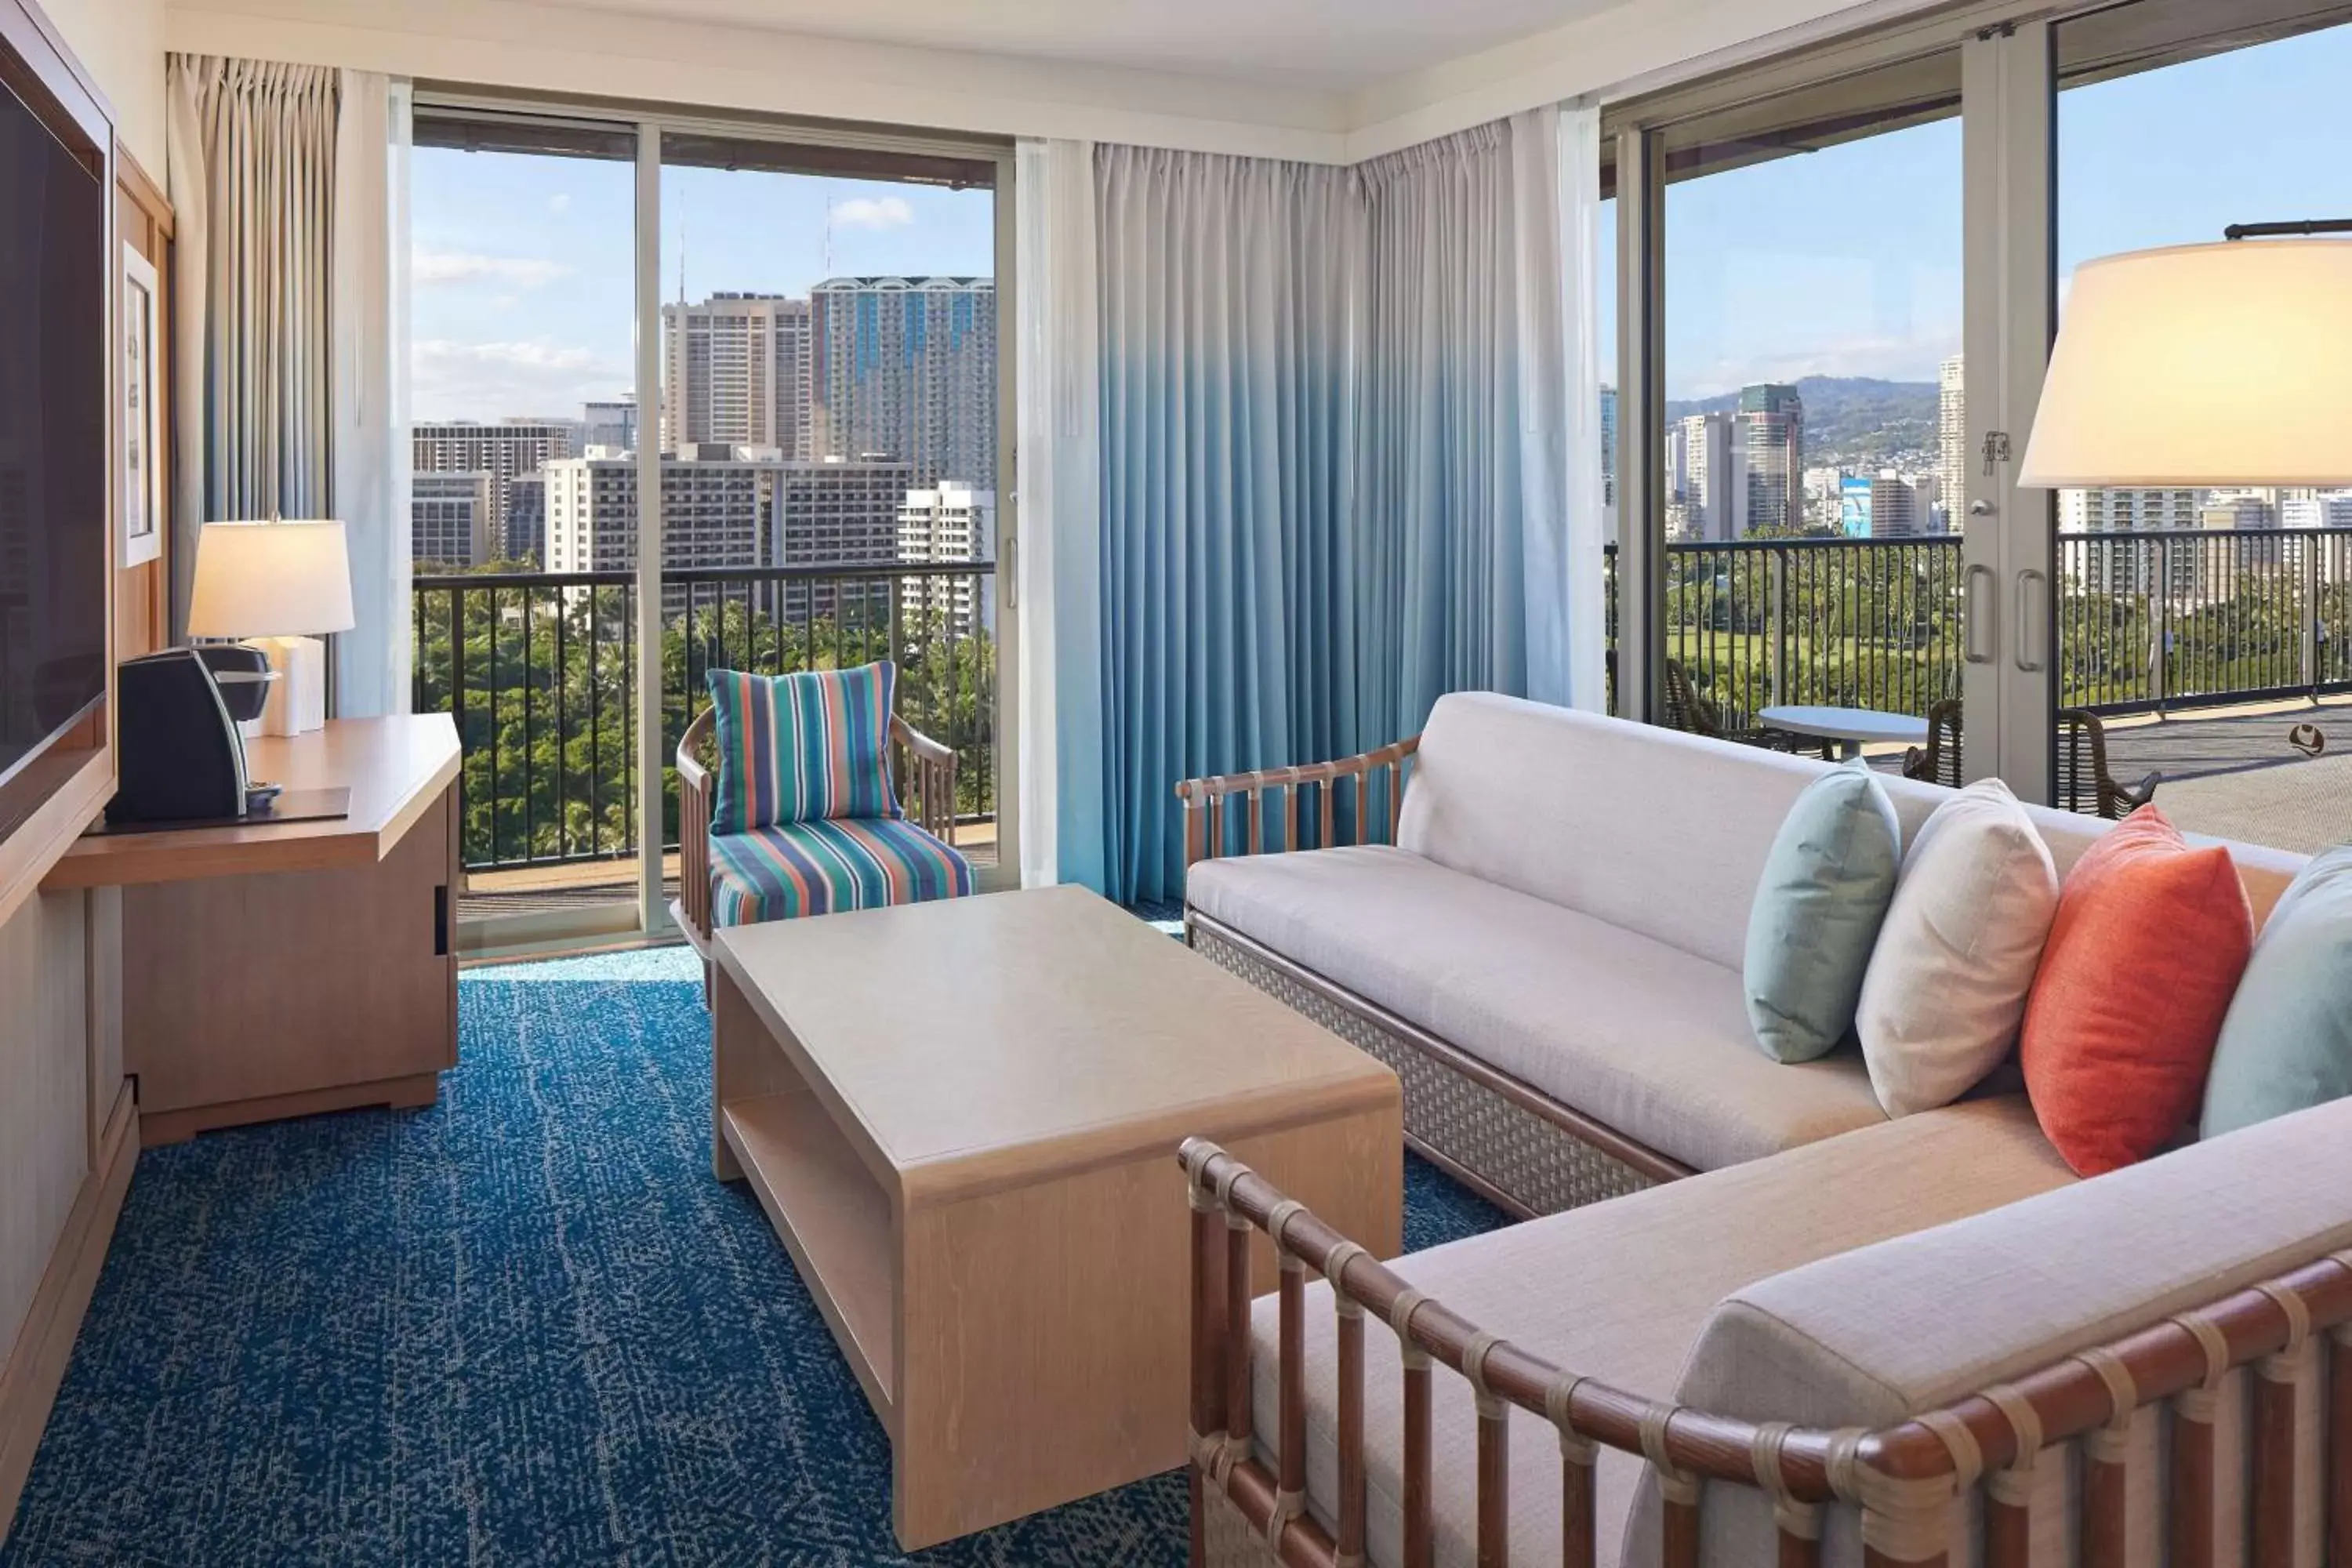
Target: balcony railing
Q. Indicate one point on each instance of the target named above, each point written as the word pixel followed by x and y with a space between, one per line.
pixel 2144 621
pixel 540 672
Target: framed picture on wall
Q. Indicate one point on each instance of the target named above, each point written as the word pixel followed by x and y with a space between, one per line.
pixel 142 416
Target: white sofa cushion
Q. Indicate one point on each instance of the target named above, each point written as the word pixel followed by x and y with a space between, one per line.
pixel 1638 1035
pixel 1659 832
pixel 1876 1334
pixel 1618 1292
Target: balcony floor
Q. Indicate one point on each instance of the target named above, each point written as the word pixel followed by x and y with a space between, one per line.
pixel 2229 772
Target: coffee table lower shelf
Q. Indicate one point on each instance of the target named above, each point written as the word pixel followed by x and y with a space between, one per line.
pixel 834 1221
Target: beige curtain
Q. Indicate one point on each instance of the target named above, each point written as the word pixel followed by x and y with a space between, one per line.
pixel 251 154
pixel 289 185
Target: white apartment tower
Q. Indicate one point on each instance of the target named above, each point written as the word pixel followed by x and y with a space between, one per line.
pixel 1952 440
pixel 906 368
pixel 946 526
pixel 449 519
pixel 1706 478
pixel 735 370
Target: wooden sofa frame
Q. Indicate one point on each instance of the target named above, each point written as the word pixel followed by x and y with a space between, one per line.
pixel 1502 1137
pixel 1906 1481
pixel 929 794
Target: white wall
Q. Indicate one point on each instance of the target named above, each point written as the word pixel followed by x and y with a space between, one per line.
pixel 121 43
pixel 551 48
pixel 1639 46
pixel 555 49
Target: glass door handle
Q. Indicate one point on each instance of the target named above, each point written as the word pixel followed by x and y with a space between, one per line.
pixel 2025 583
pixel 1978 611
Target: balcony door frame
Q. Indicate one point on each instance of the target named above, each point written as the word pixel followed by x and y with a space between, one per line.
pixel 647 911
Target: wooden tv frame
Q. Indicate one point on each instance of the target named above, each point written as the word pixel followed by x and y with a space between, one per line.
pixel 63 787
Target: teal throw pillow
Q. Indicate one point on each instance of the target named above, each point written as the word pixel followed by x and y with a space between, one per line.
pixel 2286 1041
pixel 1826 885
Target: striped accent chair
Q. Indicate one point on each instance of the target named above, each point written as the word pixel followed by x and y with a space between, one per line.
pixel 787 803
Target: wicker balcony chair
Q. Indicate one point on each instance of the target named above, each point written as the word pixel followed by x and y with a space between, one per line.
pixel 795 869
pixel 2084 784
pixel 1692 714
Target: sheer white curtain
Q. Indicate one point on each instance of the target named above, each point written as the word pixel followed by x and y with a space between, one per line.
pixel 1587 604
pixel 369 434
pixel 288 185
pixel 1057 559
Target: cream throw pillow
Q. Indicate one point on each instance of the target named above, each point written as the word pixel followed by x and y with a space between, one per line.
pixel 1955 959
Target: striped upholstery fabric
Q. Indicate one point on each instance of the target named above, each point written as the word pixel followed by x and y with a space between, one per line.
pixel 820 868
pixel 804 747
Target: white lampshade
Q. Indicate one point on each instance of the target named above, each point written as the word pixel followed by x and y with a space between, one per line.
pixel 270 580
pixel 2201 365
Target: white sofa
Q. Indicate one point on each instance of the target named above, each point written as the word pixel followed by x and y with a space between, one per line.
pixel 1550 952
pixel 1562 919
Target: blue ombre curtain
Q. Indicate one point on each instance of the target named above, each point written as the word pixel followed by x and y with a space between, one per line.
pixel 1464 481
pixel 1231 290
pixel 1334 468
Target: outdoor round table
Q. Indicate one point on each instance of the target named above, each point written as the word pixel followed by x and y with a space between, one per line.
pixel 1851 728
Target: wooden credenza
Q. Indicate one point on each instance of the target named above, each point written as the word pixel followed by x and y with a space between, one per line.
pixel 300 967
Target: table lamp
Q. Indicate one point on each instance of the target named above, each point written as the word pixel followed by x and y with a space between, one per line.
pixel 2203 365
pixel 277 585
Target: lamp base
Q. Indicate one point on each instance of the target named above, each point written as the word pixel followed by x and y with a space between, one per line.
pixel 298 697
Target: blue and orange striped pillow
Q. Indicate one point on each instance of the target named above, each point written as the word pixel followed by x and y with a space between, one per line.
pixel 802 747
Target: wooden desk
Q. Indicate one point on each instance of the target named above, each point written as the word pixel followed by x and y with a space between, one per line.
pixel 283 969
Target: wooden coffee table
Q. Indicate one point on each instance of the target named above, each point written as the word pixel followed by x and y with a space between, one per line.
pixel 962 1117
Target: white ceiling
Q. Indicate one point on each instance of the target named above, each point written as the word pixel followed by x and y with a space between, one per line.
pixel 1328 45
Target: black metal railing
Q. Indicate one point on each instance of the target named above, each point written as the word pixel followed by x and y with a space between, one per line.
pixel 2145 621
pixel 538 669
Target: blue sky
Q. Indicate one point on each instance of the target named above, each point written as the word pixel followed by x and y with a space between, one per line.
pixel 1847 262
pixel 523 267
pixel 1843 262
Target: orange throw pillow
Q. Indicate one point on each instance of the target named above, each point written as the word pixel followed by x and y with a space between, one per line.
pixel 2150 939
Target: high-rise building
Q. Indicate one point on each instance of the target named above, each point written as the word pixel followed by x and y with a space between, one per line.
pixel 610 423
pixel 1609 462
pixel 1952 440
pixel 946 526
pixel 1772 431
pixel 735 370
pixel 1707 491
pixel 525 526
pixel 729 506
pixel 2322 509
pixel 450 518
pixel 2136 566
pixel 504 451
pixel 1898 510
pixel 906 368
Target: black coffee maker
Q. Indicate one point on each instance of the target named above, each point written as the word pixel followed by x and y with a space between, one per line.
pixel 182 755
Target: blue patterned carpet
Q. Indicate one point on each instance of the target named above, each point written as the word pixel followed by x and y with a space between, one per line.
pixel 522 1327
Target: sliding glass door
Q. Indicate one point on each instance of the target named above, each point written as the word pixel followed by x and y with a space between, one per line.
pixel 1847 269
pixel 689 397
pixel 2204 636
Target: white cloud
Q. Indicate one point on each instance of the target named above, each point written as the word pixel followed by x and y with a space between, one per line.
pixel 866 212
pixel 456 380
pixel 464 267
pixel 560 202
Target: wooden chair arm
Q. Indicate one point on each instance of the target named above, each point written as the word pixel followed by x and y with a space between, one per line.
pixel 696 791
pixel 1697 1449
pixel 932 774
pixel 1205 800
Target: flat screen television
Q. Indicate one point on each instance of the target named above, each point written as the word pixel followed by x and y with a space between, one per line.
pixel 54 453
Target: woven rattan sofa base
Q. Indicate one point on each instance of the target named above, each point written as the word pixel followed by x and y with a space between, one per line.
pixel 1500 1137
pixel 1228 1540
